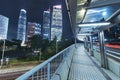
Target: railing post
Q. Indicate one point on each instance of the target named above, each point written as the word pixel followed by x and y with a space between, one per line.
pixel 91 46
pixel 33 77
pixel 37 75
pixel 102 51
pixel 48 71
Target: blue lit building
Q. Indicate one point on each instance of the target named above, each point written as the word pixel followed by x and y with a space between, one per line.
pixel 21 34
pixel 46 25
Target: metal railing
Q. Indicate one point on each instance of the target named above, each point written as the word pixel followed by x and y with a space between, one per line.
pixel 113 53
pixel 46 70
pixel 110 52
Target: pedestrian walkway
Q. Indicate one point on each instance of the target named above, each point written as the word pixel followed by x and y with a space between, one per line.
pixel 83 68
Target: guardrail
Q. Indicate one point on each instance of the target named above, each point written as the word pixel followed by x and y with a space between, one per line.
pixel 110 52
pixel 112 58
pixel 46 70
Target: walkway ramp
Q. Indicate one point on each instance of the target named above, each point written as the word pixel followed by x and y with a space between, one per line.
pixel 83 68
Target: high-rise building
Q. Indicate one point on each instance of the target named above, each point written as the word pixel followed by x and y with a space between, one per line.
pixel 33 29
pixel 21 34
pixel 56 27
pixel 3 27
pixel 46 25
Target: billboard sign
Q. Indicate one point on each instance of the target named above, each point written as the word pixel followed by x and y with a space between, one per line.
pixel 3 27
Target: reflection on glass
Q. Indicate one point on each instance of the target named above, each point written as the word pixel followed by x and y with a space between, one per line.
pixel 100 14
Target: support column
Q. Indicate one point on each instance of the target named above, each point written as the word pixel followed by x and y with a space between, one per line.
pixel 102 51
pixel 91 46
pixel 85 42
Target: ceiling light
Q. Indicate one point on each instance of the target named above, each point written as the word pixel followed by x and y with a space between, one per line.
pixel 94 24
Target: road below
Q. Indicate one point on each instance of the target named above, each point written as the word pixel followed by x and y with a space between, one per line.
pixel 11 75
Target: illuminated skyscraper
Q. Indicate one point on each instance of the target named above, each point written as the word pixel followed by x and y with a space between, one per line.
pixel 56 27
pixel 21 34
pixel 46 25
pixel 33 29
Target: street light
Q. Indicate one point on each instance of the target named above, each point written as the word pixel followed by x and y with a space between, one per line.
pixel 94 24
pixel 3 51
pixel 56 46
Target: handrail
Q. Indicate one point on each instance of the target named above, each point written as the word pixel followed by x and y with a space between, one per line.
pixel 42 65
pixel 112 54
pixel 114 57
pixel 116 53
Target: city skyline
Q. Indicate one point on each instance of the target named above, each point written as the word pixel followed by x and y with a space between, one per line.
pixel 12 8
pixel 34 8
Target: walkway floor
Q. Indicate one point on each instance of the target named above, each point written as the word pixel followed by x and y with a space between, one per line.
pixel 83 68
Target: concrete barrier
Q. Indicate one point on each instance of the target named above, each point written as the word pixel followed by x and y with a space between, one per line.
pixel 114 66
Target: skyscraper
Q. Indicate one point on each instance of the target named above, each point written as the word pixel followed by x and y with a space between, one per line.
pixel 46 25
pixel 3 27
pixel 56 27
pixel 21 34
pixel 33 29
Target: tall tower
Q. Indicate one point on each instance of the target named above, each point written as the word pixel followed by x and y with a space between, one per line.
pixel 56 26
pixel 46 25
pixel 21 34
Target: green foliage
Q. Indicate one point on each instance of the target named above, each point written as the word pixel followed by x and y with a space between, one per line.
pixel 65 43
pixel 50 50
pixel 29 58
pixel 40 48
pixel 36 41
pixel 45 44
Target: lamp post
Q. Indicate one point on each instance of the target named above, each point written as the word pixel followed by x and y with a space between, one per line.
pixel 56 45
pixel 3 51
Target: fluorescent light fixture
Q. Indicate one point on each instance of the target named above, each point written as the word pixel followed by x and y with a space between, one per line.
pixel 94 24
pixel 83 34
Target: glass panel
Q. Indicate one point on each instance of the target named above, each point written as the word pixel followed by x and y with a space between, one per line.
pixel 99 14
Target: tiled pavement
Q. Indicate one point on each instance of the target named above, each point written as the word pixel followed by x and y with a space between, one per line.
pixel 83 68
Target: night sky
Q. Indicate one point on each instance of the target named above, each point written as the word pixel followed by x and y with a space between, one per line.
pixel 34 8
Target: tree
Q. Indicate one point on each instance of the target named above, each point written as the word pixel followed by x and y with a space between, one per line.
pixel 50 49
pixel 45 44
pixel 36 44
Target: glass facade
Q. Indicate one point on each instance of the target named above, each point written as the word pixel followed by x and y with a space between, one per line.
pixel 101 13
pixel 46 25
pixel 33 29
pixel 56 27
pixel 21 34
